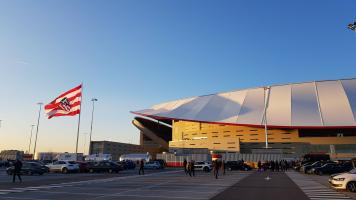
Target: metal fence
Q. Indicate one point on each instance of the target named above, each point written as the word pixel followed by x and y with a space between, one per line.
pixel 173 160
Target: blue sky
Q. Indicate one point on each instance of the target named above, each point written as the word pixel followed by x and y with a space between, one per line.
pixel 133 54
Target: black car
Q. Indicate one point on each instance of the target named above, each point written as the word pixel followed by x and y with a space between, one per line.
pixel 308 168
pixel 236 165
pixel 324 169
pixel 29 168
pixel 333 168
pixel 104 166
pixel 127 164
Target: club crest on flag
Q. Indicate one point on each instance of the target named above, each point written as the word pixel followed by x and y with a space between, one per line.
pixel 65 105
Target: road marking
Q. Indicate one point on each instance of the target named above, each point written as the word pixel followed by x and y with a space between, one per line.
pixel 313 189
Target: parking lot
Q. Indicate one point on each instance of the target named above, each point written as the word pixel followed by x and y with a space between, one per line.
pixel 167 184
pixel 170 184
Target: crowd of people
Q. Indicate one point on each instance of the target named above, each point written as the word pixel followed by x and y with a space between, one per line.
pixel 189 167
pixel 274 166
pixel 217 165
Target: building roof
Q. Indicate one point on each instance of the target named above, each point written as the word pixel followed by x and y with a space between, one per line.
pixel 318 104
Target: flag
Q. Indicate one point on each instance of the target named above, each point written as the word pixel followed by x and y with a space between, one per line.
pixel 66 104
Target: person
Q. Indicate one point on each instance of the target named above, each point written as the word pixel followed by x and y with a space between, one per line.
pixel 223 167
pixel 141 168
pixel 272 165
pixel 259 166
pixel 277 165
pixel 185 166
pixel 192 167
pixel 189 168
pixel 17 170
pixel 216 168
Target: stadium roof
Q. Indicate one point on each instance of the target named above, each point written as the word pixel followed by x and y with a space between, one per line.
pixel 318 104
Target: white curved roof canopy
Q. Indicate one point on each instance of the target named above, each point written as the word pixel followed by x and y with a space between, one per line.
pixel 319 104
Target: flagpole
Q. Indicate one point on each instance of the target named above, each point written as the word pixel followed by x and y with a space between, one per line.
pixel 80 111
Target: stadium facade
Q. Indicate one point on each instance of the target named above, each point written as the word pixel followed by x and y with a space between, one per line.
pixel 297 118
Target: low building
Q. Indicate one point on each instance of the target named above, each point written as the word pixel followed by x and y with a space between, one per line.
pixel 116 149
pixel 47 155
pixel 11 155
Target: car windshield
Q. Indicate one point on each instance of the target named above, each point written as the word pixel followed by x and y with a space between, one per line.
pixel 71 162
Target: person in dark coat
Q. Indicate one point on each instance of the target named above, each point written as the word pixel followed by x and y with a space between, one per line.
pixel 17 170
pixel 223 168
pixel 216 168
pixel 272 165
pixel 192 168
pixel 185 163
pixel 259 165
pixel 141 168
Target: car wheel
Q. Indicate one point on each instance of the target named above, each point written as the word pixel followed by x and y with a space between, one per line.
pixel 229 169
pixel 110 171
pixel 41 173
pixel 320 173
pixel 91 170
pixel 351 186
pixel 64 170
pixel 30 173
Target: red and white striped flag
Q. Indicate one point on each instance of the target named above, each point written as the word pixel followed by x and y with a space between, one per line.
pixel 67 104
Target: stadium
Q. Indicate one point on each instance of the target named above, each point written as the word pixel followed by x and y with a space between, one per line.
pixel 297 118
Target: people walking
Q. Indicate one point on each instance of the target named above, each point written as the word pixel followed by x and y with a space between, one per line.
pixel 216 169
pixel 259 166
pixel 141 168
pixel 192 168
pixel 223 167
pixel 17 170
pixel 277 165
pixel 189 168
pixel 185 163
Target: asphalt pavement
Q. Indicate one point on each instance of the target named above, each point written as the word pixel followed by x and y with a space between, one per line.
pixel 168 184
pixel 157 185
pixel 264 185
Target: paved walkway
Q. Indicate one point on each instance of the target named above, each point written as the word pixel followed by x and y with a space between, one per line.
pixel 264 185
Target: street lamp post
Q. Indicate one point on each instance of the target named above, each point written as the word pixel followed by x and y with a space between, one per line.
pixel 91 124
pixel 38 124
pixel 85 140
pixel 29 146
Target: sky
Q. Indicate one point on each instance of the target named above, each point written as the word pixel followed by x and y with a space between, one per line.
pixel 133 54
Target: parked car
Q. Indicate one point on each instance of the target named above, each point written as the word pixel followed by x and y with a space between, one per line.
pixel 307 169
pixel 104 166
pixel 127 164
pixel 152 165
pixel 344 181
pixel 63 166
pixel 333 168
pixel 236 165
pixel 203 165
pixel 29 168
